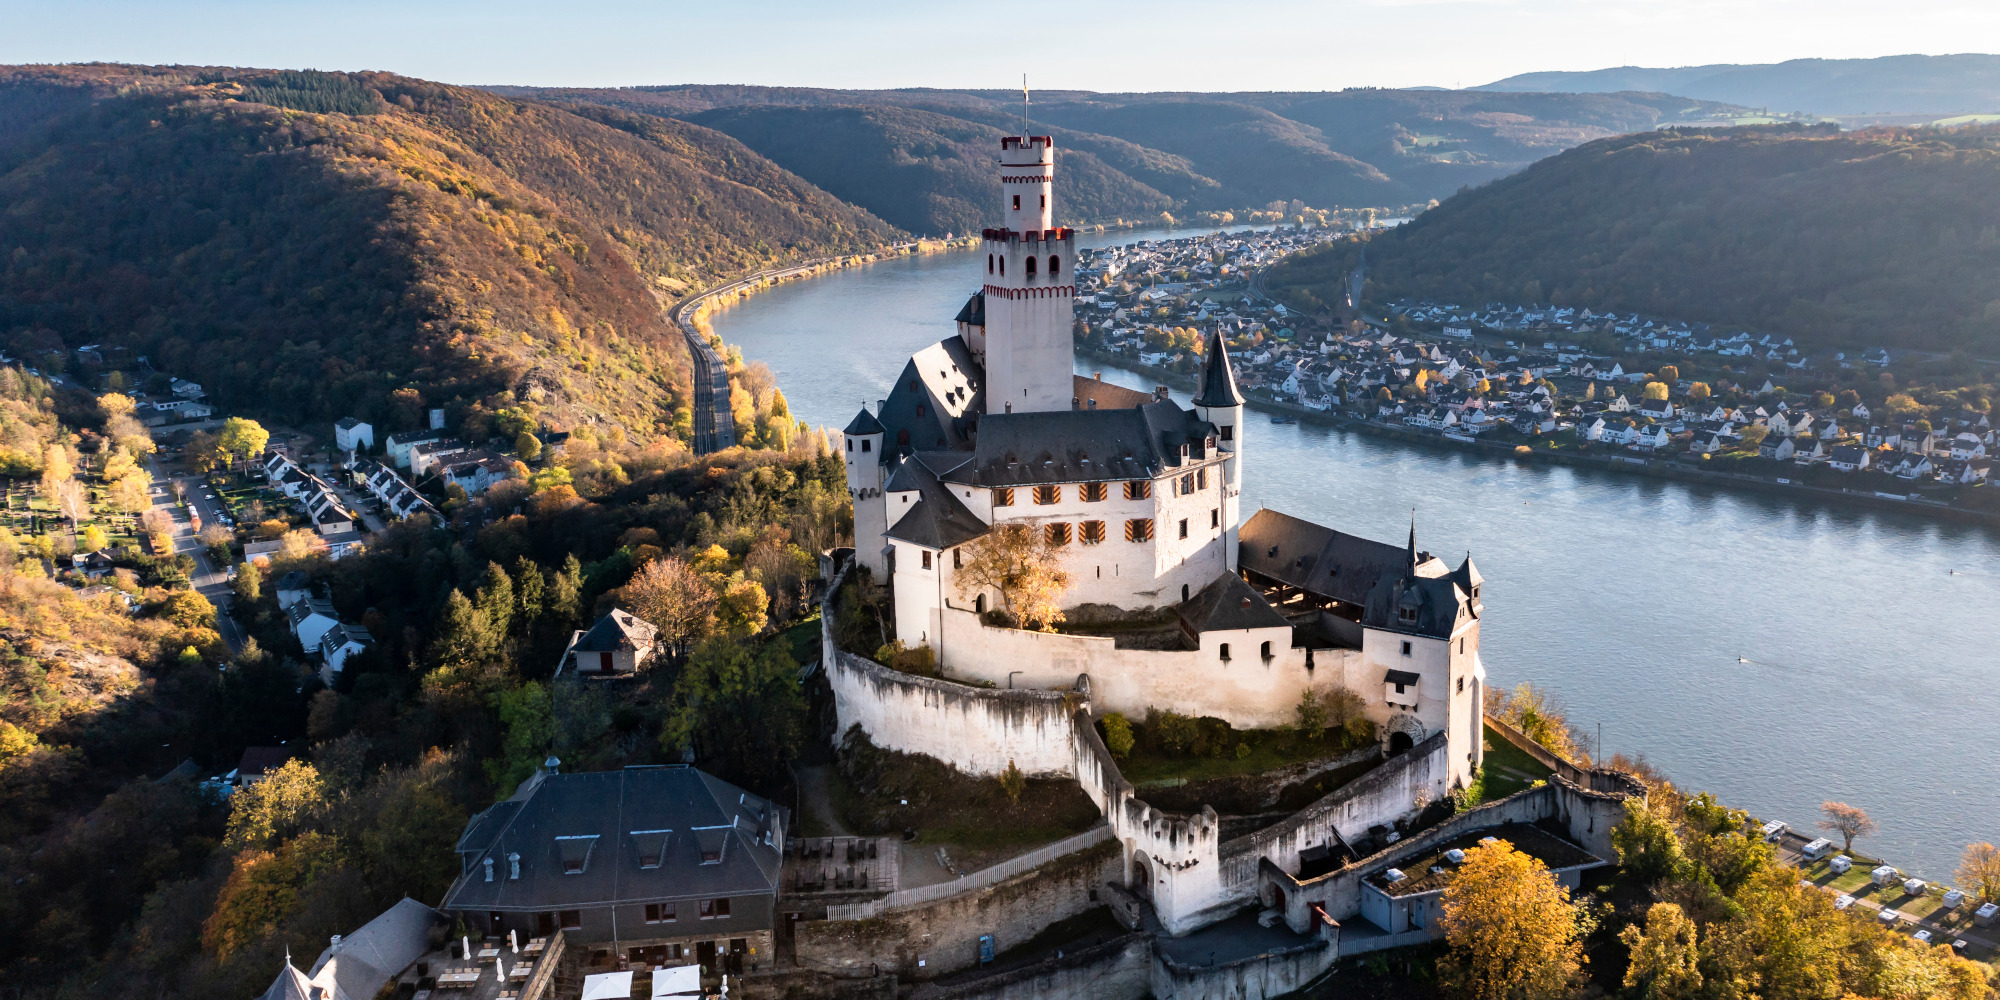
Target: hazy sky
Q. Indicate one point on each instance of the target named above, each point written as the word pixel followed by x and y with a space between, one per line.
pixel 1094 45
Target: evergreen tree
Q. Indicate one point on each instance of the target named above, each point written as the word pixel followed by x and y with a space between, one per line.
pixel 565 594
pixel 496 605
pixel 461 631
pixel 528 592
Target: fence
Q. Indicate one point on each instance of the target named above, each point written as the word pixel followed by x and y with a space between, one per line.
pixel 967 883
pixel 540 983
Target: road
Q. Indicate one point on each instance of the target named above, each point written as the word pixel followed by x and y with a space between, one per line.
pixel 209 581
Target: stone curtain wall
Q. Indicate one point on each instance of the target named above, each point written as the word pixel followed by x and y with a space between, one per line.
pixel 1272 974
pixel 1247 691
pixel 1379 798
pixel 945 934
pixel 1119 969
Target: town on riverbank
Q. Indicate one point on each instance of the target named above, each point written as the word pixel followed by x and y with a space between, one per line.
pixel 1636 393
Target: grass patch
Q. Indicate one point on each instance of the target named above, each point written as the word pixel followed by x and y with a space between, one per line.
pixel 889 791
pixel 1211 749
pixel 1507 768
pixel 801 639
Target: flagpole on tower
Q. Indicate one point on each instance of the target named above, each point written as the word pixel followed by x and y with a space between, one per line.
pixel 1024 107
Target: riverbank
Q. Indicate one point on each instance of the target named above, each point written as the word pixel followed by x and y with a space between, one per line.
pixel 1620 463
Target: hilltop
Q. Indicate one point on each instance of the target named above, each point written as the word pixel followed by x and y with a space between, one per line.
pixel 903 154
pixel 1877 237
pixel 311 245
pixel 1936 84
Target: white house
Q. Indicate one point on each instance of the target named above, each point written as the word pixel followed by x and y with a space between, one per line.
pixel 310 618
pixel 353 434
pixel 337 645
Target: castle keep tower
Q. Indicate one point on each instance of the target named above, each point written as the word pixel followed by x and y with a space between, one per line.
pixel 1029 287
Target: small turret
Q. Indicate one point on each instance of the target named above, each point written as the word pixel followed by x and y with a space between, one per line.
pixel 863 452
pixel 1217 401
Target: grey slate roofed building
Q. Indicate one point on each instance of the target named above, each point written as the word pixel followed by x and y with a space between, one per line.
pixel 639 857
pixel 1229 603
pixel 935 518
pixel 1076 446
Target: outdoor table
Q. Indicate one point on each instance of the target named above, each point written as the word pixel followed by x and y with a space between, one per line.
pixel 522 971
pixel 536 946
pixel 458 980
pixel 486 953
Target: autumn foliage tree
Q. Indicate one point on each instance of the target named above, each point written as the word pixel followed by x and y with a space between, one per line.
pixel 1848 821
pixel 1513 932
pixel 668 594
pixel 1017 561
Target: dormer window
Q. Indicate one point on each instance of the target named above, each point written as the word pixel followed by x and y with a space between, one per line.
pixel 711 841
pixel 652 846
pixel 1406 614
pixel 575 852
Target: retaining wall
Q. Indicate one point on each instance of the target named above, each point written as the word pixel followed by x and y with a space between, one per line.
pixel 944 935
pixel 1120 969
pixel 1272 974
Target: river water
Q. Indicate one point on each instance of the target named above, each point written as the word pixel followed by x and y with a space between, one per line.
pixel 1776 652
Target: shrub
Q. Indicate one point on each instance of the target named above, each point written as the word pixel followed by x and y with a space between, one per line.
pixel 1013 782
pixel 1118 735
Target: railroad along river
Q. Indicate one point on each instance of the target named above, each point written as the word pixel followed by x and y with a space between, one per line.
pixel 1774 651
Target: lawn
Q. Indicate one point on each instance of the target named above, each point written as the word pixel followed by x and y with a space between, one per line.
pixel 1269 749
pixel 1508 769
pixel 802 639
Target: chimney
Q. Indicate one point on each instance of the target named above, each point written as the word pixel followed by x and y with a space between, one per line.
pixel 553 765
pixel 1160 392
pixel 1097 375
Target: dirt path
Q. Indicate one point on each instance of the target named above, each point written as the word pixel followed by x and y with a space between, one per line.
pixel 816 799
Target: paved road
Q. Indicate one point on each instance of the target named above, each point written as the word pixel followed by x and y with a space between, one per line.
pixel 209 581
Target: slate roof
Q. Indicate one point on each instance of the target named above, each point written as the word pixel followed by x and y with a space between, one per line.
pixel 863 423
pixel 1107 395
pixel 1078 446
pixel 1295 551
pixel 615 631
pixel 381 949
pixel 974 310
pixel 935 519
pixel 936 401
pixel 1229 603
pixel 294 580
pixel 292 984
pixel 1218 379
pixel 672 812
pixel 262 760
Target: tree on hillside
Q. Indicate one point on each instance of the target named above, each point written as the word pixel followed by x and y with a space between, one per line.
pixel 285 802
pixel 1514 933
pixel 1017 561
pixel 1646 843
pixel 1848 821
pixel 1979 871
pixel 1664 956
pixel 243 438
pixel 668 594
pixel 740 709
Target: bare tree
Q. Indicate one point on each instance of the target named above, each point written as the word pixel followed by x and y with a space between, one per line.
pixel 1848 821
pixel 669 595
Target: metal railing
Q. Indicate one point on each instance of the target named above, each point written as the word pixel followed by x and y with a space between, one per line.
pixel 903 898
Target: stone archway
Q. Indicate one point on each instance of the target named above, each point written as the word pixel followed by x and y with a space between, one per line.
pixel 1142 876
pixel 1403 732
pixel 1399 742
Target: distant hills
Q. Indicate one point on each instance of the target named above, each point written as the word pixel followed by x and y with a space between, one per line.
pixel 1886 236
pixel 1939 85
pixel 921 158
pixel 312 245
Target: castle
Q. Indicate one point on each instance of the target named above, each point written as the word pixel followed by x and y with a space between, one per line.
pixel 1174 602
pixel 1140 499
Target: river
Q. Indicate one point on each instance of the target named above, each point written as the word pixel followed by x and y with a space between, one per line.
pixel 1776 652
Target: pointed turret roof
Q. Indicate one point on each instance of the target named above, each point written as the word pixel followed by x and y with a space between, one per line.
pixel 863 423
pixel 1218 381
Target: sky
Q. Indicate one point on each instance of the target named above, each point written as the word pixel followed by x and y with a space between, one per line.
pixel 1105 45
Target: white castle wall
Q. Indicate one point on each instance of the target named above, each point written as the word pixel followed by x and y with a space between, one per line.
pixel 1246 691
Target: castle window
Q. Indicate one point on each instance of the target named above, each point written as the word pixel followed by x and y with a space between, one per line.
pixel 1045 204
pixel 989 263
pixel 1003 498
pixel 927 559
pixel 1003 267
pixel 1215 517
pixel 958 559
pixel 1200 476
pixel 1461 685
pixel 1184 593
pixel 1265 650
pixel 1055 265
pixel 1057 533
pixel 1048 494
pixel 1187 484
pixel 1184 527
pixel 1225 650
pixel 1031 269
pixel 850 444
pixel 1139 529
pixel 979 604
pixel 1461 645
pixel 1406 647
pixel 864 444
pixel 1091 532
pixel 1017 203
pixel 1094 492
pixel 1138 489
pixel 1228 432
pixel 1407 614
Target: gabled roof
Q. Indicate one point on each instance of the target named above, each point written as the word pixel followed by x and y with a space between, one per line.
pixel 936 401
pixel 1229 603
pixel 380 950
pixel 936 519
pixel 1320 560
pixel 974 311
pixel 292 984
pixel 663 814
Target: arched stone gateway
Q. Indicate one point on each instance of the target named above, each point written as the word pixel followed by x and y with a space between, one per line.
pixel 1142 875
pixel 1404 732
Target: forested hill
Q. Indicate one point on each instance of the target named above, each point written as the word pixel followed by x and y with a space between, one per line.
pixel 1887 237
pixel 1935 84
pixel 922 158
pixel 312 245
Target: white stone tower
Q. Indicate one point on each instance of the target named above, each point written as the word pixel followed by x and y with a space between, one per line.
pixel 1030 287
pixel 864 436
pixel 1217 401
